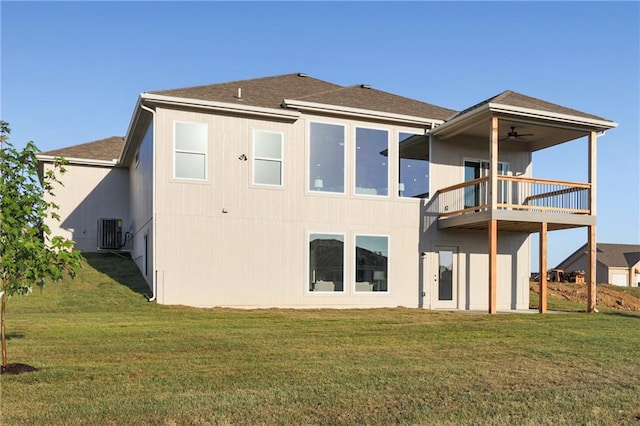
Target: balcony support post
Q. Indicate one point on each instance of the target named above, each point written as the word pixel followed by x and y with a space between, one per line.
pixel 592 172
pixel 591 272
pixel 493 165
pixel 493 263
pixel 542 305
pixel 493 223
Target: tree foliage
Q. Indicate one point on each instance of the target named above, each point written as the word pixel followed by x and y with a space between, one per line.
pixel 29 254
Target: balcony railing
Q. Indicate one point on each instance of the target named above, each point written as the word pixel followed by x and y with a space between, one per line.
pixel 515 193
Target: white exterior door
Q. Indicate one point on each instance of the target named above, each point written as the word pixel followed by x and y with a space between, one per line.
pixel 445 278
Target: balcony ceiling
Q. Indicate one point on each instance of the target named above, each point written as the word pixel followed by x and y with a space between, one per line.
pixel 543 133
pixel 544 123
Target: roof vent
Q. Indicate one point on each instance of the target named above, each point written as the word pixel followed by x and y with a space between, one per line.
pixel 238 95
pixel 365 86
pixel 302 74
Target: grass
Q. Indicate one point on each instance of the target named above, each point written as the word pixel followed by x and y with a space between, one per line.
pixel 634 291
pixel 107 356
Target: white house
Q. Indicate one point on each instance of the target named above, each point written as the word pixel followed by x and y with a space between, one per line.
pixel 289 191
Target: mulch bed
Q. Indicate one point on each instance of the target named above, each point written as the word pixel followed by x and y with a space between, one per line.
pixel 17 368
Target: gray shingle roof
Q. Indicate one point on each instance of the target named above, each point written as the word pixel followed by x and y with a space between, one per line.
pixel 610 255
pixel 104 149
pixel 618 255
pixel 515 99
pixel 270 92
pixel 364 97
pixel 267 92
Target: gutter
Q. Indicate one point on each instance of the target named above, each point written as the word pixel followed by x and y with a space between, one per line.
pixel 154 285
pixel 556 116
pixel 221 106
pixel 559 118
pixel 358 112
pixel 74 160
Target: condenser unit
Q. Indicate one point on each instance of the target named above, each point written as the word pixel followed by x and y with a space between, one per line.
pixel 110 234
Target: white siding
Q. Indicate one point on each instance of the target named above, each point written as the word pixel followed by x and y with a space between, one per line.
pixel 89 194
pixel 141 202
pixel 226 242
pixel 447 159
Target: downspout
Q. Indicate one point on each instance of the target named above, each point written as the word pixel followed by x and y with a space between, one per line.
pixel 154 285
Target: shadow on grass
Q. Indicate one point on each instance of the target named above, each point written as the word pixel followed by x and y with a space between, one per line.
pixel 626 314
pixel 14 335
pixel 121 268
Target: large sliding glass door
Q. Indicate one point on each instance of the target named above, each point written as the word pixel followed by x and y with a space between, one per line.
pixel 477 195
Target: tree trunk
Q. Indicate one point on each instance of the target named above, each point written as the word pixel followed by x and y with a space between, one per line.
pixel 2 332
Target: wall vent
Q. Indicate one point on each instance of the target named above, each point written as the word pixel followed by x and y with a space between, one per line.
pixel 110 234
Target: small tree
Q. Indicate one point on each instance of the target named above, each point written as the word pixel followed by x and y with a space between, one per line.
pixel 28 253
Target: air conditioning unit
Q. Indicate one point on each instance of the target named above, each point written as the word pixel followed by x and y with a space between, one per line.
pixel 110 234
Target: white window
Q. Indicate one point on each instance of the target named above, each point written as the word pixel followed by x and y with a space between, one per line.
pixel 267 158
pixel 371 263
pixel 414 165
pixel 326 262
pixel 372 161
pixel 326 157
pixel 190 150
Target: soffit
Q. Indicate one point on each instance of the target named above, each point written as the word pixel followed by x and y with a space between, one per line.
pixel 548 124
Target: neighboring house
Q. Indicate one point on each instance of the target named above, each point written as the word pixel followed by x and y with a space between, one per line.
pixel 618 264
pixel 289 191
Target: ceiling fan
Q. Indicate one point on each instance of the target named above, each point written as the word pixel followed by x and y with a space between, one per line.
pixel 515 135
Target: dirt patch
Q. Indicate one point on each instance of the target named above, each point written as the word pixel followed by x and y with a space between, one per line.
pixel 17 368
pixel 605 295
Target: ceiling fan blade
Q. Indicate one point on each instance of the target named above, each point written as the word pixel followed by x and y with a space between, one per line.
pixel 525 134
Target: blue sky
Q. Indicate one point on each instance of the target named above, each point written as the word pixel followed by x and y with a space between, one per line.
pixel 71 71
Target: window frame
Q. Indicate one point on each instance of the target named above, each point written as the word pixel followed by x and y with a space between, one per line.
pixel 417 132
pixel 182 151
pixel 308 189
pixel 354 149
pixel 354 251
pixel 481 162
pixel 308 263
pixel 255 158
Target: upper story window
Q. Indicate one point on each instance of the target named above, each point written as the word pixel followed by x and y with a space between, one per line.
pixel 267 158
pixel 190 150
pixel 414 165
pixel 326 157
pixel 372 161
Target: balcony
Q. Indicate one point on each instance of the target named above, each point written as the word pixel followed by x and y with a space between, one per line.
pixel 522 204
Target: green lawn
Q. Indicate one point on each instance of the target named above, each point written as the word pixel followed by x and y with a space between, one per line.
pixel 107 356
